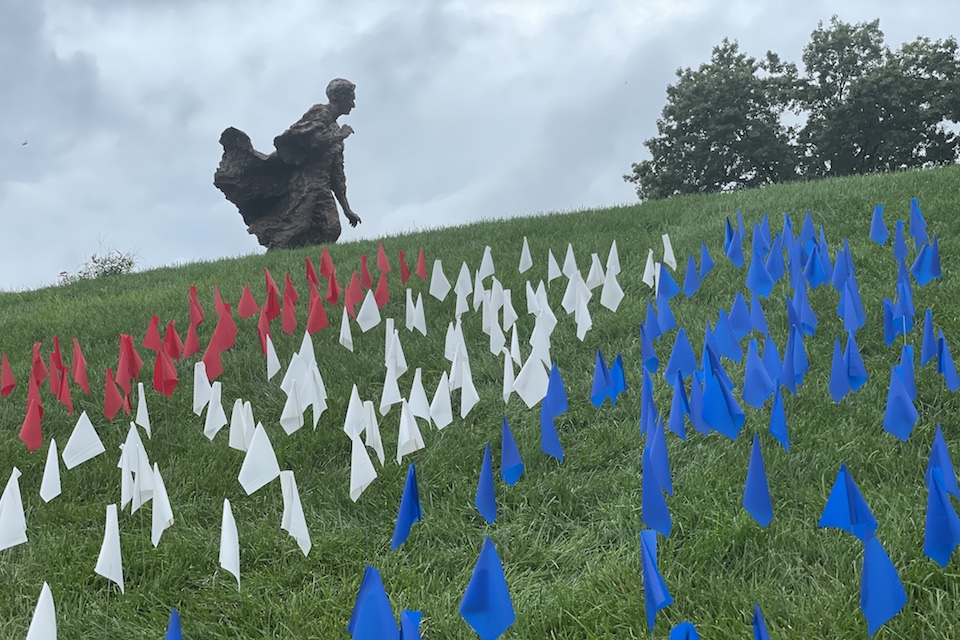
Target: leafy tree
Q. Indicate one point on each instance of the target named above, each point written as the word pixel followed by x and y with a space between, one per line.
pixel 870 109
pixel 721 128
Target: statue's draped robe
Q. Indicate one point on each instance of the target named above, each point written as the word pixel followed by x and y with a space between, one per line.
pixel 286 198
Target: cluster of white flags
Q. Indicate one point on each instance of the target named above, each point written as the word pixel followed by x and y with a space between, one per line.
pixel 303 386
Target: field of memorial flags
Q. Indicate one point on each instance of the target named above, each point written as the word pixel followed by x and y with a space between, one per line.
pixel 697 418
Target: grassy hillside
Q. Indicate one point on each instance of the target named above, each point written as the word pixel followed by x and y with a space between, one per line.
pixel 567 534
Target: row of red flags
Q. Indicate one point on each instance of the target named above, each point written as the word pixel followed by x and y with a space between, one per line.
pixel 170 347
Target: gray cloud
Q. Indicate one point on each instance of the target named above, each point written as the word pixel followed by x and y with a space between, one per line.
pixel 464 110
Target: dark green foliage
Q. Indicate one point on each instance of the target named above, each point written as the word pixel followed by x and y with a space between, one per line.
pixel 866 109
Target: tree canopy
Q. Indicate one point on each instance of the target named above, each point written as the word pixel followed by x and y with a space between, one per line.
pixel 859 108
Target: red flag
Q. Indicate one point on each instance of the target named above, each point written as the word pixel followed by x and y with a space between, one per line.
pixel 333 290
pixel 248 305
pixel 289 291
pixel 317 316
pixel 312 274
pixel 217 301
pixel 64 391
pixel 326 264
pixel 382 263
pixel 112 401
pixel 263 329
pixel 382 294
pixel 7 382
pixel 365 279
pixel 353 295
pixel 79 366
pixel 152 340
pixel 33 395
pixel 126 403
pixel 404 269
pixel 30 432
pixel 192 345
pixel 172 345
pixel 54 375
pixel 225 333
pixel 164 374
pixel 421 266
pixel 128 364
pixel 272 303
pixel 211 359
pixel 196 311
pixel 57 370
pixel 289 324
pixel 38 371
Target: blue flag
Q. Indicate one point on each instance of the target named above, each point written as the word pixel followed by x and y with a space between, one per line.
pixel 740 317
pixel 758 321
pixel 808 233
pixel 648 410
pixel 173 628
pixel 511 466
pixel 682 359
pixel 601 382
pixel 881 593
pixel 905 370
pixel 788 238
pixel 706 262
pixel 900 414
pixel 918 226
pixel 691 281
pixel 813 270
pixel 923 268
pixel 655 593
pixel 841 270
pixel 774 263
pixel 648 355
pixel 684 631
pixel 728 344
pixel 778 421
pixel 942 532
pixel 651 323
pixel 761 239
pixel 618 379
pixel 940 458
pixel 410 510
pixel 372 617
pixel 757 385
pixel 486 604
pixel 553 404
pixel 759 626
pixel 667 287
pixel 665 318
pixel 659 458
pixel 945 364
pixel 410 625
pixel 899 244
pixel 878 230
pixel 486 498
pixel 718 412
pixel 853 362
pixel 696 406
pixel 679 407
pixel 846 509
pixel 734 250
pixel 759 280
pixel 839 381
pixel 653 506
pixel 772 361
pixel 756 490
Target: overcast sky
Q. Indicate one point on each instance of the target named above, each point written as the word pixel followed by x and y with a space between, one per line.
pixel 465 110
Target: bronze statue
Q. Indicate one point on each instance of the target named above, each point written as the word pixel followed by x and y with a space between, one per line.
pixel 287 198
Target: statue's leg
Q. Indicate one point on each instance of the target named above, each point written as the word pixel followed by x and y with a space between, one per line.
pixel 325 221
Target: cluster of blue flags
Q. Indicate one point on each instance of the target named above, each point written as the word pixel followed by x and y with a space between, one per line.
pixel 711 405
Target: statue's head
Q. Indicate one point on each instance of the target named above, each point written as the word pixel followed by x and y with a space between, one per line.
pixel 341 94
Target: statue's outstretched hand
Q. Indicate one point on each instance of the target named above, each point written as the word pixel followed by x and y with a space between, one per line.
pixel 353 218
pixel 345 131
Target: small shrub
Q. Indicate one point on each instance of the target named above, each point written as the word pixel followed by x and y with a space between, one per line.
pixel 102 265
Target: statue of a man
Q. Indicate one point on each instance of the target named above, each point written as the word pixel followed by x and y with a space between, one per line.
pixel 287 198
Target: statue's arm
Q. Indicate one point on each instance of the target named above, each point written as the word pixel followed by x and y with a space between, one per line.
pixel 338 183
